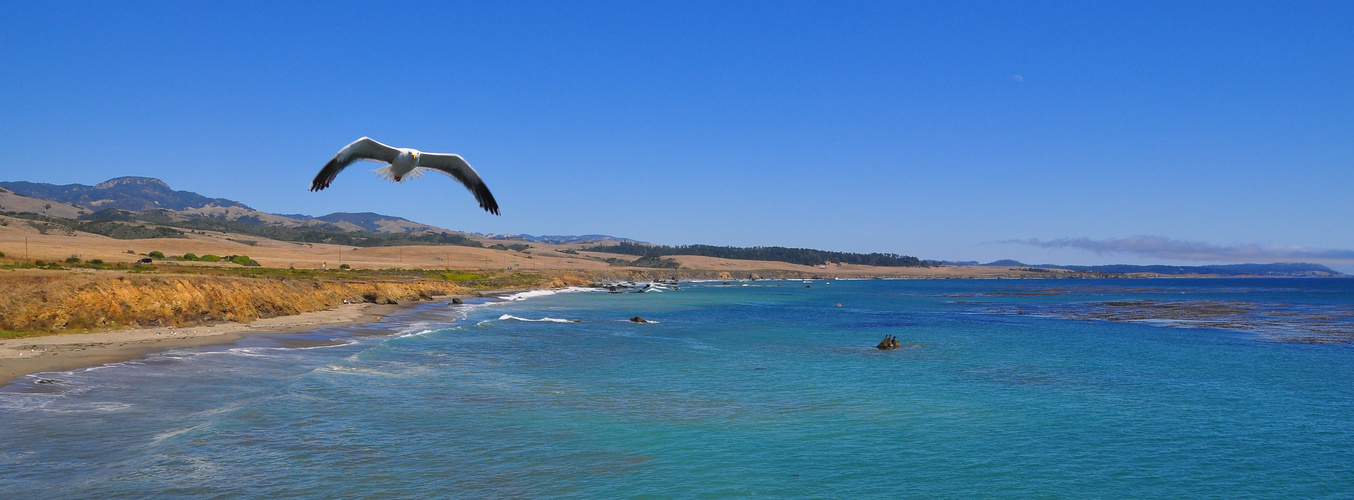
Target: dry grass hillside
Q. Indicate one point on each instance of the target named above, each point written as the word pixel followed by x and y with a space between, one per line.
pixel 10 202
pixel 74 300
pixel 21 240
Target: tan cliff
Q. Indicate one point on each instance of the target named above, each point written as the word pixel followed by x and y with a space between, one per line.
pixel 43 300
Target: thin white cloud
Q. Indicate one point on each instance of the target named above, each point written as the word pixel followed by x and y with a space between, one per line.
pixel 1019 78
pixel 1165 248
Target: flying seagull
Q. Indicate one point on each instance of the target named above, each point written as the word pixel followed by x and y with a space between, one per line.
pixel 405 163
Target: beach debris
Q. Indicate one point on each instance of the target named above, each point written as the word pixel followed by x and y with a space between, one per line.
pixel 406 163
pixel 638 319
pixel 889 342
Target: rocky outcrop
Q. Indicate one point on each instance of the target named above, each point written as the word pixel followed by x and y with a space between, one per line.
pixel 889 342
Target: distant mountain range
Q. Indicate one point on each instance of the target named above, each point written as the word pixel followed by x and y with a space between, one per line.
pixel 560 239
pixel 135 194
pixel 143 194
pixel 1275 269
pixel 147 194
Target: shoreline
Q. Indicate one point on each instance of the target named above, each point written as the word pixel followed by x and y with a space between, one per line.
pixel 70 351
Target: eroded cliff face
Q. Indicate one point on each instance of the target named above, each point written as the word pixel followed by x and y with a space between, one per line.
pixel 76 301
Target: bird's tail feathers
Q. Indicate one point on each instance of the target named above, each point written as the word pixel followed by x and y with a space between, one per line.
pixel 385 173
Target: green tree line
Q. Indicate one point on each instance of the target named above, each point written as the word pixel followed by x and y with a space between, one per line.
pixel 802 256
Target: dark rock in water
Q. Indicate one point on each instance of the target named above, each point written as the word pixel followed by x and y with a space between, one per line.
pixel 638 319
pixel 47 381
pixel 456 300
pixel 889 342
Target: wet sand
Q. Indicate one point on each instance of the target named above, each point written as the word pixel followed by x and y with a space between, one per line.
pixel 19 357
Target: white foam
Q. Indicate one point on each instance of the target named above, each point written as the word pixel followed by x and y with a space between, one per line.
pixel 245 351
pixel 26 402
pixel 166 435
pixel 93 406
pixel 415 333
pixel 262 351
pixel 527 295
pixel 323 346
pixel 547 318
pixel 400 370
pixel 418 328
pixel 541 293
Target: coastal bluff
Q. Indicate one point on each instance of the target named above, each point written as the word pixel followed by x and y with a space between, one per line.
pixel 45 301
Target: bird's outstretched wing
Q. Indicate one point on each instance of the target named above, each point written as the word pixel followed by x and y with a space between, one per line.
pixel 362 149
pixel 456 166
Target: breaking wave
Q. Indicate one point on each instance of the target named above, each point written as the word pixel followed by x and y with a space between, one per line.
pixel 548 319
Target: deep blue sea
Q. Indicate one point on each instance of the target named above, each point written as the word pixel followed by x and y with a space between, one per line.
pixel 1163 388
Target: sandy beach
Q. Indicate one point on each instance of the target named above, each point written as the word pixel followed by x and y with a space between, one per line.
pixel 24 356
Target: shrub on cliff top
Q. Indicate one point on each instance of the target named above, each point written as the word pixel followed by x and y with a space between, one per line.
pixel 244 260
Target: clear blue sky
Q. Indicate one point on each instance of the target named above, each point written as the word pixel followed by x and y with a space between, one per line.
pixel 1071 132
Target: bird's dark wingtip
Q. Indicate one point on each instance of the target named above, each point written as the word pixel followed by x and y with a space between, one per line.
pixel 486 199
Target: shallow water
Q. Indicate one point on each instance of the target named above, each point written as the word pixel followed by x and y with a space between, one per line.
pixel 1027 388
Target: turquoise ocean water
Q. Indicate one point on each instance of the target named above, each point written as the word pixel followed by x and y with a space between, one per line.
pixel 1034 388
